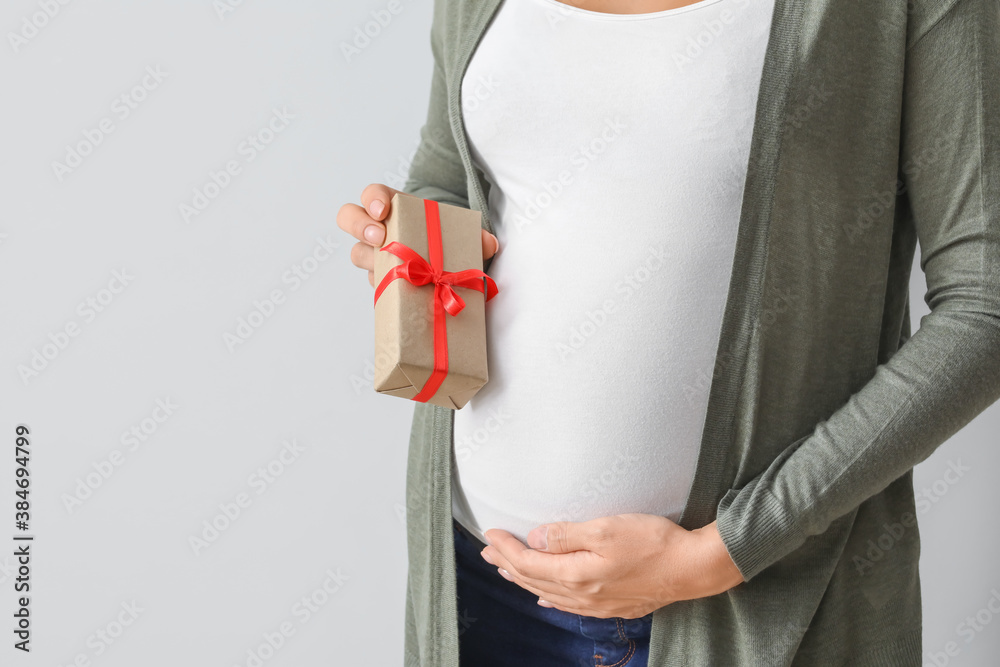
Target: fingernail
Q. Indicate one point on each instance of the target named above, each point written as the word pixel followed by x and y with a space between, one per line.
pixel 486 557
pixel 505 574
pixel 376 207
pixel 496 244
pixel 373 234
pixel 544 603
pixel 539 540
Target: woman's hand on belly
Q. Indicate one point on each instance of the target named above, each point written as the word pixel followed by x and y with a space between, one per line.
pixel 625 565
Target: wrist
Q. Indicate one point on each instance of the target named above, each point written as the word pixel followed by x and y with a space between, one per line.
pixel 721 572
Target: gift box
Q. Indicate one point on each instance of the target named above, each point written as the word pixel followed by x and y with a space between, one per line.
pixel 430 303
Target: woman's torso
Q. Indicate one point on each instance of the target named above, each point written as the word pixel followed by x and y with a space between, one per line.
pixel 616 148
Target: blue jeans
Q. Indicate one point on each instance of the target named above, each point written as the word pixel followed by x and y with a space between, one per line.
pixel 501 624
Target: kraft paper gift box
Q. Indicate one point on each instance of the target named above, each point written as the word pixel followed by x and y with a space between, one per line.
pixel 430 303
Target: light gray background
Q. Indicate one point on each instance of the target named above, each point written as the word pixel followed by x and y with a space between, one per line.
pixel 303 375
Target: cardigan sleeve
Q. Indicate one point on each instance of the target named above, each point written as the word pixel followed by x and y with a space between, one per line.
pixel 436 171
pixel 948 371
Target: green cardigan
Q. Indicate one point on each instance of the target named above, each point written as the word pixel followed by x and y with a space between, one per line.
pixel 877 125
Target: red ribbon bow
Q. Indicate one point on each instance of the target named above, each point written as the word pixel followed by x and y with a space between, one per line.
pixel 418 271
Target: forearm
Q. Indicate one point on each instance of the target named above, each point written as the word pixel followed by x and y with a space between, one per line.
pixel 939 380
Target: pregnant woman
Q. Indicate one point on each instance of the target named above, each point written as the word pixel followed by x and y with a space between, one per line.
pixel 704 401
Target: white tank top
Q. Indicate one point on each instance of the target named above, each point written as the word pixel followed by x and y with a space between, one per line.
pixel 616 148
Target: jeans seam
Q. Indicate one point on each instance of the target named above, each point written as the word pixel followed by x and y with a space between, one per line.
pixel 631 644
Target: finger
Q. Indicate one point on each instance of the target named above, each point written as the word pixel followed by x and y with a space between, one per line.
pixel 545 588
pixel 355 220
pixel 376 198
pixel 562 537
pixel 565 603
pixel 554 572
pixel 363 257
pixel 515 555
pixel 563 600
pixel 371 278
pixel 491 244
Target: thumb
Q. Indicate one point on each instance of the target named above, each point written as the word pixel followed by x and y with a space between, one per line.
pixel 558 537
pixel 491 244
pixel 376 198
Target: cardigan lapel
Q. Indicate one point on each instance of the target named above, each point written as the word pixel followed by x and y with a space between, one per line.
pixel 741 314
pixel 482 13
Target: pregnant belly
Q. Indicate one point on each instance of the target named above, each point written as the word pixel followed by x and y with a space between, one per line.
pixel 612 426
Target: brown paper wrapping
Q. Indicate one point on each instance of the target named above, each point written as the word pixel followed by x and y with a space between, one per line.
pixel 404 313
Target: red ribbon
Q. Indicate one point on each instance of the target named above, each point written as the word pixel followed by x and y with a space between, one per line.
pixel 418 271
